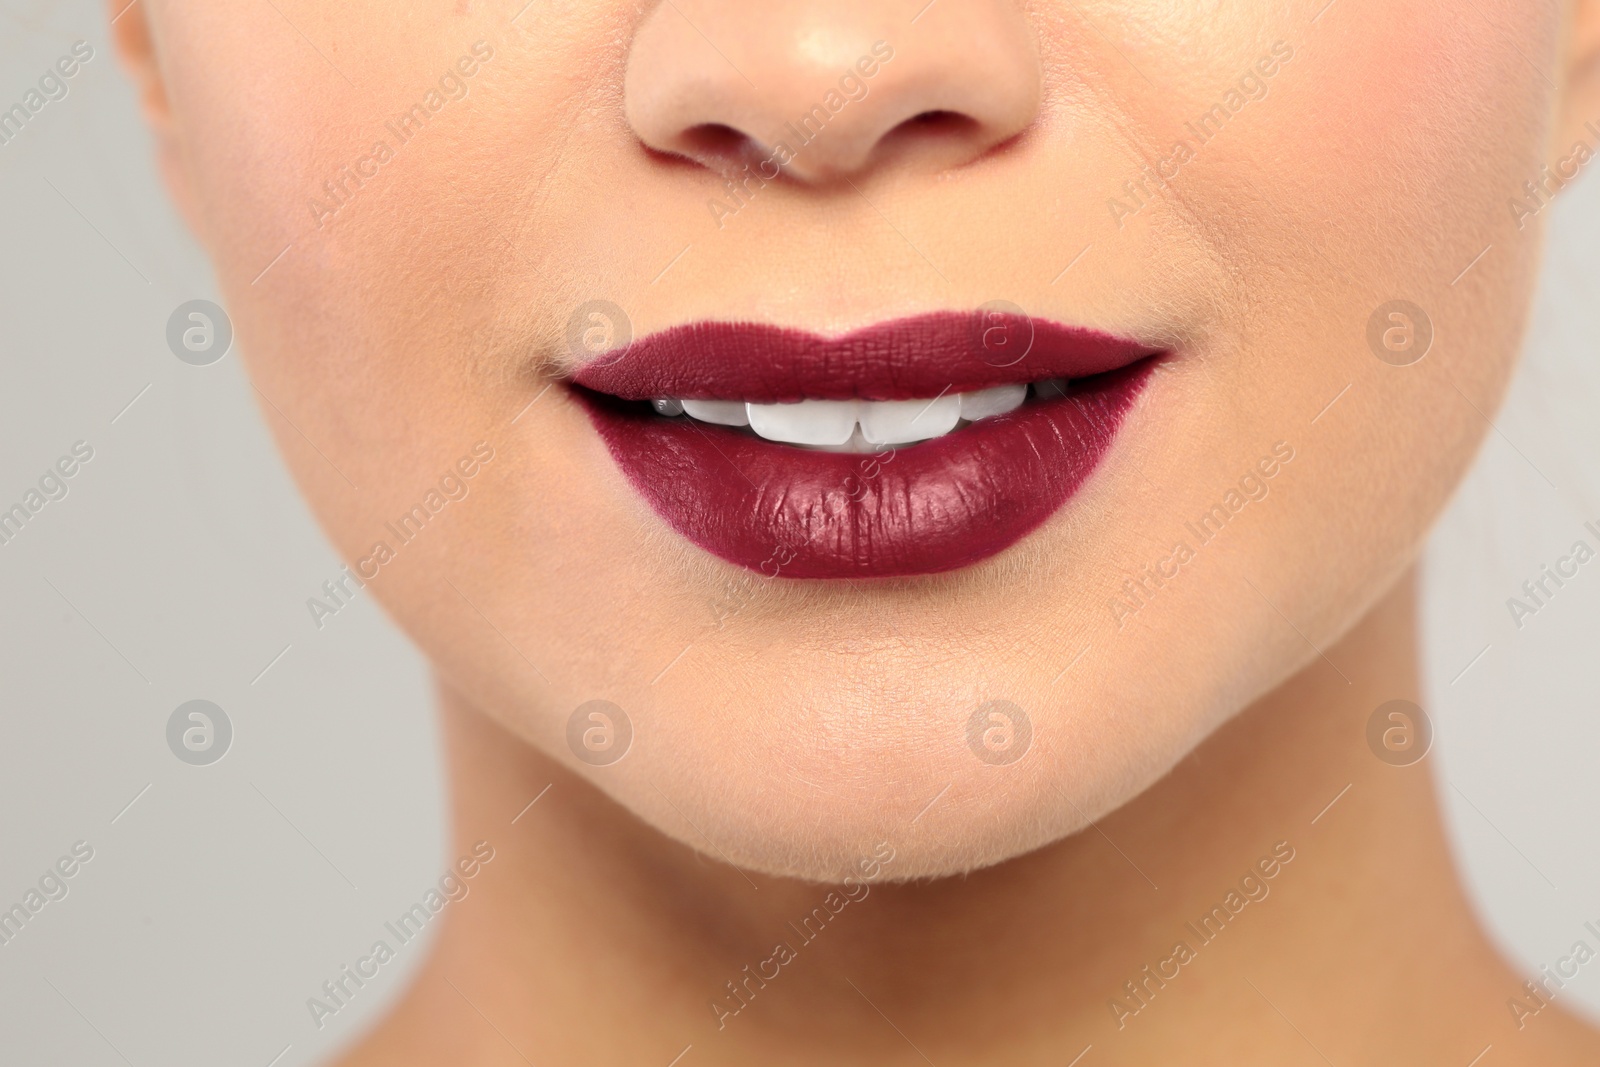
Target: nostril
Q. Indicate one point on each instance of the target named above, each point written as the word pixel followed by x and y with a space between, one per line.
pixel 939 118
pixel 823 111
pixel 934 127
pixel 716 144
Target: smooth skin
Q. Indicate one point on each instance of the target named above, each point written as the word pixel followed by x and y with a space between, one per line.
pixel 424 308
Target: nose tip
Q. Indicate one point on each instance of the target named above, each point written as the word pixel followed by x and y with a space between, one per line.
pixel 825 91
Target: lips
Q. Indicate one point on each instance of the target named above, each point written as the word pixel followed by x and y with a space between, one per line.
pixel 885 509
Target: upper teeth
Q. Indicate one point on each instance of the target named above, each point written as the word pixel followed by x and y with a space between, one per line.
pixel 856 424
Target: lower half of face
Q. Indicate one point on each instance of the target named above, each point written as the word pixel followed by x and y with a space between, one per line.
pixel 1200 348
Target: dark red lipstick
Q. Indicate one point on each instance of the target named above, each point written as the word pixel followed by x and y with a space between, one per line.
pixel 906 509
pixel 894 360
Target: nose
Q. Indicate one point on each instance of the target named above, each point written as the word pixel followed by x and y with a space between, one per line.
pixel 829 89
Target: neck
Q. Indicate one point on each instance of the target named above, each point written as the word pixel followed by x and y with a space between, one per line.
pixel 590 938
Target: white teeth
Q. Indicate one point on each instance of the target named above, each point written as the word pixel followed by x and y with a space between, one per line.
pixel 862 425
pixel 810 422
pixel 900 422
pixel 857 443
pixel 721 412
pixel 996 401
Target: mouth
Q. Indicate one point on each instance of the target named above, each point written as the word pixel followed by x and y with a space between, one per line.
pixel 914 446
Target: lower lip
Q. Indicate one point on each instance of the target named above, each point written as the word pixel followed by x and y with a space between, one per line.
pixel 910 509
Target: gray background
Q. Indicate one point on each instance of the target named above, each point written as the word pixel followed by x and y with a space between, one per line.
pixel 179 563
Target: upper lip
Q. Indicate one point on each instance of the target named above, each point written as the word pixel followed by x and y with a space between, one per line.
pixel 900 359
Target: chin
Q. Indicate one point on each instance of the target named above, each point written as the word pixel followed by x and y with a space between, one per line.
pixel 809 788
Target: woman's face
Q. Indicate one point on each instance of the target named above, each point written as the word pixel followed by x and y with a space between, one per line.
pixel 428 218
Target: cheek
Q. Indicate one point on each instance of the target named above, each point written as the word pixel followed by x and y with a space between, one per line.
pixel 366 283
pixel 1327 202
pixel 1404 188
pixel 1444 123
